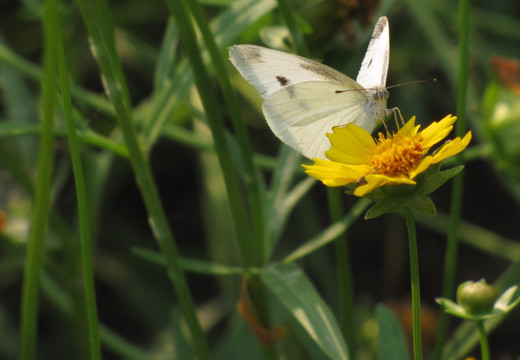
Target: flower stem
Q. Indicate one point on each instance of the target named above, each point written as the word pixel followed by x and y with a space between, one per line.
pixel 416 292
pixel 484 347
pixel 344 274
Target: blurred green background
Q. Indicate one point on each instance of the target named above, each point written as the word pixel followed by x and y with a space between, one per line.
pixel 138 312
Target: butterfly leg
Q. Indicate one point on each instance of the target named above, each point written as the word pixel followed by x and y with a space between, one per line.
pixel 395 111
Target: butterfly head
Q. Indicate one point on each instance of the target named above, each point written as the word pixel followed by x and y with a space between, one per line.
pixel 381 95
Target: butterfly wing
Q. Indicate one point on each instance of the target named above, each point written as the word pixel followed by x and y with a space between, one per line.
pixel 374 68
pixel 301 115
pixel 304 99
pixel 271 70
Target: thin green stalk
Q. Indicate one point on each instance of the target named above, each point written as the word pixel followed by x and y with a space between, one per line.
pixel 462 91
pixel 416 291
pixel 252 178
pixel 120 346
pixel 239 211
pixel 33 72
pixel 260 299
pixel 344 274
pixel 484 346
pixel 248 246
pixel 16 128
pixel 63 303
pixel 33 261
pixel 450 262
pixel 100 28
pixel 329 234
pixel 290 22
pixel 83 212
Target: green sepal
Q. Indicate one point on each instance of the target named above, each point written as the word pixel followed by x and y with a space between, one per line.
pixel 423 204
pixel 392 198
pixel 419 203
pixel 502 306
pixel 505 302
pixel 383 207
pixel 436 180
pixel 454 309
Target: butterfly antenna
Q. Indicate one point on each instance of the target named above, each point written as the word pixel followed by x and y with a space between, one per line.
pixel 432 80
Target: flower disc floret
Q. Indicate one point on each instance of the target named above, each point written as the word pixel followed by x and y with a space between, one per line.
pixel 396 155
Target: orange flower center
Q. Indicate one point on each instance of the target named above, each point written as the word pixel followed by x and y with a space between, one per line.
pixel 396 155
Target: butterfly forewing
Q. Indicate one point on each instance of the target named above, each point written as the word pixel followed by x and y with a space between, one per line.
pixel 374 68
pixel 271 70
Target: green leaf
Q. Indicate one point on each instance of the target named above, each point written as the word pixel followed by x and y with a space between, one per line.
pixel 237 341
pixel 392 341
pixel 298 295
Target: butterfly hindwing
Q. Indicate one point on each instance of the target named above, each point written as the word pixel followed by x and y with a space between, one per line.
pixel 301 115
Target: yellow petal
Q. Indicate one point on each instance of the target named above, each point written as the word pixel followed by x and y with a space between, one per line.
pixel 333 173
pixel 350 145
pixel 409 129
pixel 376 180
pixel 449 149
pixel 437 131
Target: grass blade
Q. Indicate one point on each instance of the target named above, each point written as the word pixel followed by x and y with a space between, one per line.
pixel 83 211
pixel 329 234
pixel 96 16
pixel 33 262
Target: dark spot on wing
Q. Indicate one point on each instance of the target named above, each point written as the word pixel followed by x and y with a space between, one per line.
pixel 283 80
pixel 380 26
pixel 324 71
pixel 370 63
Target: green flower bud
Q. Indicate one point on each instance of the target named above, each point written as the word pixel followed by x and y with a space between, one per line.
pixel 477 297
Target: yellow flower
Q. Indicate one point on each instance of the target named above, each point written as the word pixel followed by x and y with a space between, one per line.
pixel 355 157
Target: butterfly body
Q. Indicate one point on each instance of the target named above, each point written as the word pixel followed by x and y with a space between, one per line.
pixel 375 105
pixel 304 100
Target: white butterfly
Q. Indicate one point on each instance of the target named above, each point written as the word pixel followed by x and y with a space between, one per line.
pixel 304 99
